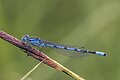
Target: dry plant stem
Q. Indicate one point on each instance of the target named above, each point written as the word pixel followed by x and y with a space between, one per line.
pixel 37 54
pixel 25 76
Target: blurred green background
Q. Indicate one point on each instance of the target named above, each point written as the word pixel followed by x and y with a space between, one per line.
pixel 94 24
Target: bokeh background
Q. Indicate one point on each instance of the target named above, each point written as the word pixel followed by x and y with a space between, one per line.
pixel 94 24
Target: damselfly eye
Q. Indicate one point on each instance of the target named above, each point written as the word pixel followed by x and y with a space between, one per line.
pixel 25 38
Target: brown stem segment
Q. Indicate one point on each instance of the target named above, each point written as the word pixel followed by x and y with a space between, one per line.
pixel 37 54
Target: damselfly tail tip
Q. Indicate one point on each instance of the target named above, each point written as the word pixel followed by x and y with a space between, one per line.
pixel 101 53
pixel 105 54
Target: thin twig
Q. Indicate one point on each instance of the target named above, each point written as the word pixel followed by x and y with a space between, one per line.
pixel 25 76
pixel 37 54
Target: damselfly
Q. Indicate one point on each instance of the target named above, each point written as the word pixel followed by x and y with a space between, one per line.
pixel 67 49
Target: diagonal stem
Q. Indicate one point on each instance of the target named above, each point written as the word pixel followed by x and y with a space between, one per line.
pixel 37 54
pixel 25 76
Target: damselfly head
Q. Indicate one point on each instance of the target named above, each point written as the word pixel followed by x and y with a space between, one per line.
pixel 25 38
